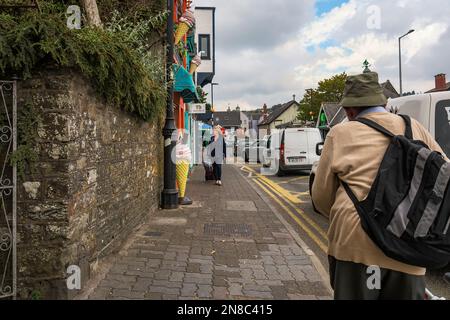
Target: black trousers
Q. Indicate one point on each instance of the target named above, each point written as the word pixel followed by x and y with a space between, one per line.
pixel 352 281
pixel 217 171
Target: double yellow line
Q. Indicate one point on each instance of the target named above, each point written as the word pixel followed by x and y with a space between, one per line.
pixel 282 196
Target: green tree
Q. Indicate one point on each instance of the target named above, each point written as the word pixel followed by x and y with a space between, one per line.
pixel 328 90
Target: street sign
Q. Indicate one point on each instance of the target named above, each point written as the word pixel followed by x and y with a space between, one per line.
pixel 197 108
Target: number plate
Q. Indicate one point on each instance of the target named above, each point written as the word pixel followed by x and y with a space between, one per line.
pixel 297 160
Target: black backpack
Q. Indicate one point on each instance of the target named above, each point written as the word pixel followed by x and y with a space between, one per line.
pixel 407 212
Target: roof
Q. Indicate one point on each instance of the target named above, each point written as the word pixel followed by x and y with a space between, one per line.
pixel 334 113
pixel 447 88
pixel 277 111
pixel 338 118
pixel 389 90
pixel 228 119
pixel 330 109
pixel 205 117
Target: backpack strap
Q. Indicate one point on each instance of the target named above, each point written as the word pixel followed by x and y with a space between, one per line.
pixel 376 126
pixel 408 131
pixel 350 193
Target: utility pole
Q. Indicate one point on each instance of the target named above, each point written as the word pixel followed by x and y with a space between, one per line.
pixel 169 197
pixel 212 101
pixel 400 58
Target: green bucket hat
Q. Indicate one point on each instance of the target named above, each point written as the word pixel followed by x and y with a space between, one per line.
pixel 363 90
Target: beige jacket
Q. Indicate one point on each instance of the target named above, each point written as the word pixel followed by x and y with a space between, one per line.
pixel 353 153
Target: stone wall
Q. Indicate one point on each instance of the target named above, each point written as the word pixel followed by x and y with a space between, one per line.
pixel 99 176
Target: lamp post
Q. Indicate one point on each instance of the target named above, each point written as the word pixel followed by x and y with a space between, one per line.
pixel 169 196
pixel 212 99
pixel 400 57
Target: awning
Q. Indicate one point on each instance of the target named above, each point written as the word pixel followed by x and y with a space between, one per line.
pixel 184 83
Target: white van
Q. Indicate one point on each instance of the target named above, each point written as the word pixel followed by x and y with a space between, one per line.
pixel 432 110
pixel 292 149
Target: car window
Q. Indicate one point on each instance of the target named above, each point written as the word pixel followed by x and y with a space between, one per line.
pixel 443 125
pixel 269 142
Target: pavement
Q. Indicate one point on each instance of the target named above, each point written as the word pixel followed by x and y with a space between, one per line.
pixel 232 244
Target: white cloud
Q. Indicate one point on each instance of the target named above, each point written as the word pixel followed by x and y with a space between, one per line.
pixel 265 55
pixel 323 28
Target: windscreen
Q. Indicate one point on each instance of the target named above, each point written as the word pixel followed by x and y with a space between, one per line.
pixel 443 125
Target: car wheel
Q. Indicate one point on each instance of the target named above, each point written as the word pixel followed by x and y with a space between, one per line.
pixel 280 172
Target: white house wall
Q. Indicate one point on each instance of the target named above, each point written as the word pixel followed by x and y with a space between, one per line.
pixel 289 115
pixel 204 25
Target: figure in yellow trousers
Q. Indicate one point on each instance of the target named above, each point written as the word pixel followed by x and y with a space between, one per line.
pixel 183 165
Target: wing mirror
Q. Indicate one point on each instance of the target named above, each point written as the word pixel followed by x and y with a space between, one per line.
pixel 319 148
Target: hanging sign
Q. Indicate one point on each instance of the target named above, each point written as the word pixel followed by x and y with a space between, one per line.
pixel 197 108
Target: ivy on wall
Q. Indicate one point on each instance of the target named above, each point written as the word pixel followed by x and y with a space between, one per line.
pixel 28 122
pixel 118 59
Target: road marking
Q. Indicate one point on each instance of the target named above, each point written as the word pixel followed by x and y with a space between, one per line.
pixel 288 197
pixel 277 187
pixel 304 216
pixel 293 180
pixel 308 231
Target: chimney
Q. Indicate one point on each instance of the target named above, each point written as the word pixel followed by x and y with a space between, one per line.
pixel 441 82
pixel 265 112
pixel 293 96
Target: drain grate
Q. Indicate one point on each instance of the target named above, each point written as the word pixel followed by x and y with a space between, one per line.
pixel 227 229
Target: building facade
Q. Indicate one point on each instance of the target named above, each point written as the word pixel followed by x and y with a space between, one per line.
pixel 279 115
pixel 206 44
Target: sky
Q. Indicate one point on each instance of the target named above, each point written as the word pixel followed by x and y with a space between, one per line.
pixel 269 50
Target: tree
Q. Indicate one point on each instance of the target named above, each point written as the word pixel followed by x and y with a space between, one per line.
pixel 92 15
pixel 328 90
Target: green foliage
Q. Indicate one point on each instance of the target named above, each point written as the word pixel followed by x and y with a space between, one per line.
pixel 36 295
pixel 116 59
pixel 203 98
pixel 135 10
pixel 202 94
pixel 328 90
pixel 28 122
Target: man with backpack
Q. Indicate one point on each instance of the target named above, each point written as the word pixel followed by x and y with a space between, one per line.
pixel 383 182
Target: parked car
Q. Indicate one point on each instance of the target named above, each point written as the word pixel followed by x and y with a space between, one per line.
pixel 254 151
pixel 292 149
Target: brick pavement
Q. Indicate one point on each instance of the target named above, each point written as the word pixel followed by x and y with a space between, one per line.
pixel 229 245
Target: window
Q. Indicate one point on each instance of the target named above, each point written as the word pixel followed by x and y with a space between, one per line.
pixel 204 41
pixel 443 125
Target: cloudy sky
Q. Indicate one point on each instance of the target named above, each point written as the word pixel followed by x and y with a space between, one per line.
pixel 268 50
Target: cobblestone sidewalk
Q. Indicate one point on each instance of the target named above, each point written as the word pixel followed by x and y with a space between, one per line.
pixel 229 245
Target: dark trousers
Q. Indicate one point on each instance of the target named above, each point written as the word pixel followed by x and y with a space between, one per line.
pixel 217 171
pixel 350 282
